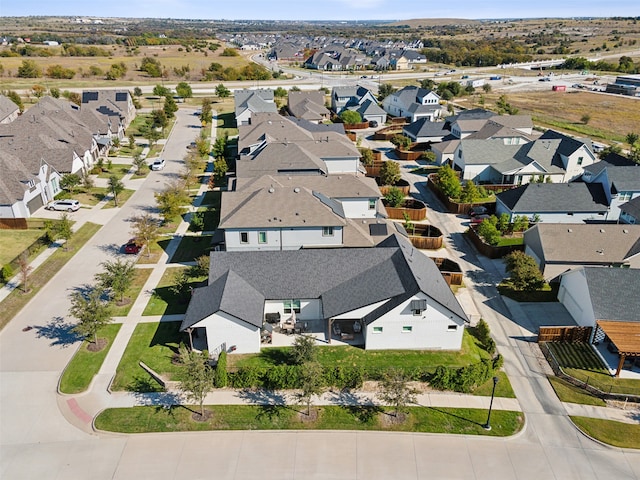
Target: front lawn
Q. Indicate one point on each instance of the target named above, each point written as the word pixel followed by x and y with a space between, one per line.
pixel 118 170
pixel 123 196
pixel 140 276
pixel 85 364
pixel 192 247
pixel 155 344
pixel 569 393
pixel 16 300
pixel 548 293
pixel 273 417
pixel 14 242
pixel 618 434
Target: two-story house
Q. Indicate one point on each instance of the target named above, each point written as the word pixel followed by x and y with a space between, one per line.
pixel 358 99
pixel 249 102
pixel 413 103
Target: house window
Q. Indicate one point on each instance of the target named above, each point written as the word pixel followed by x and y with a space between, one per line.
pixel 244 237
pixel 262 237
pixel 372 204
pixel 407 329
pixel 580 160
pixel 327 231
pixel 291 306
pixel 624 196
pixel 459 153
pixel 377 329
pixel 452 328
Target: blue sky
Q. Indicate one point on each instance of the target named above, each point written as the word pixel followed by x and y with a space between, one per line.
pixel 322 9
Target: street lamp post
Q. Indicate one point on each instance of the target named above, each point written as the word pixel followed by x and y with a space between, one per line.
pixel 487 426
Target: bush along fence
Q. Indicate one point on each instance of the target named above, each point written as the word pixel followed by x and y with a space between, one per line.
pixel 557 370
pixel 490 250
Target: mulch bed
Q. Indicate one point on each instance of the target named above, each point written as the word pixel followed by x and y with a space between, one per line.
pixel 99 345
pixel 196 417
pixel 312 417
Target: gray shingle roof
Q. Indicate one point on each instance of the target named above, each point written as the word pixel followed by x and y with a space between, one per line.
pixel 345 279
pixel 632 207
pixel 614 293
pixel 555 197
pixel 425 128
pixel 7 107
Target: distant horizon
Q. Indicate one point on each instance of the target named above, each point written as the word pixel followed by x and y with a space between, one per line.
pixel 329 10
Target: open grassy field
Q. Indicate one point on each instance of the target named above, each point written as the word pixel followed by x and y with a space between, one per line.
pixel 612 116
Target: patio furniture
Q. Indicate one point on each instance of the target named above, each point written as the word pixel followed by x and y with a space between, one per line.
pixel 347 336
pixel 287 328
pixel 273 318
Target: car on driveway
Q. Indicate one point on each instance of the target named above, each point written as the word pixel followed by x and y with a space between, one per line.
pixel 478 210
pixel 64 205
pixel 158 164
pixel 478 219
pixel 132 247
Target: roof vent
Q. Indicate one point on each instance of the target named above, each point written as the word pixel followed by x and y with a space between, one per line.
pixel 602 230
pixel 296 190
pixel 600 252
pixel 569 230
pixel 272 190
pixel 624 230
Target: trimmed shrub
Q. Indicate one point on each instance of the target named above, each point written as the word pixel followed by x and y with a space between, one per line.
pixel 220 379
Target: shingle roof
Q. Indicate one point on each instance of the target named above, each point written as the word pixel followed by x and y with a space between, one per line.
pixel 7 107
pixel 307 105
pixel 425 128
pixel 632 207
pixel 555 197
pixel 614 293
pixel 584 243
pixel 345 279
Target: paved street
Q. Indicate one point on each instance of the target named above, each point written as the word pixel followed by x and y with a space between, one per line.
pixel 46 435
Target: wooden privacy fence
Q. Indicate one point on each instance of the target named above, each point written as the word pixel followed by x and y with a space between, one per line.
pixel 13 224
pixel 565 334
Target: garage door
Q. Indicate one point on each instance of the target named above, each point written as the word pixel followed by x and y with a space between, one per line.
pixel 35 203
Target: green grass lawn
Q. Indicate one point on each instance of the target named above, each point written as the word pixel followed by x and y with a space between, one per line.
pixel 85 364
pixel 164 301
pixel 123 196
pixel 39 277
pixel 154 344
pixel 581 362
pixel 618 434
pixel 86 197
pixel 243 417
pixel 548 293
pixel 140 276
pixel 14 242
pixel 192 247
pixel 155 251
pixel 370 360
pixel 503 387
pixel 510 241
pixel 118 170
pixel 226 124
pixel 567 392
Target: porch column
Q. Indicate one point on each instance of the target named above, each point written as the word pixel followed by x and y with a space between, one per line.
pixel 329 331
pixel 623 356
pixel 189 330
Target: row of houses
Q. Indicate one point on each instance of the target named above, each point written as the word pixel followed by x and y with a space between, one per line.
pixel 53 138
pixel 306 241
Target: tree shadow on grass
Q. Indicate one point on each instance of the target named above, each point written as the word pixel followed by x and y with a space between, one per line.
pixel 270 403
pixel 361 408
pixel 455 416
pixel 59 332
pixel 275 356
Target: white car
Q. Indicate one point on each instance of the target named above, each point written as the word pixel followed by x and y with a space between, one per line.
pixel 64 205
pixel 158 164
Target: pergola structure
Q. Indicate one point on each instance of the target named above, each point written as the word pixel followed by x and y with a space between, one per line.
pixel 625 336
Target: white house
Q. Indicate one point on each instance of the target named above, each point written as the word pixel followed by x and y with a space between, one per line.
pixel 388 297
pixel 607 300
pixel 413 103
pixel 358 99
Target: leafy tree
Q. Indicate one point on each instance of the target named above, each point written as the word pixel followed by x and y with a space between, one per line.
pixel 198 375
pixel 201 268
pixel 206 113
pixel 91 311
pixel 521 222
pixel 139 162
pixel 280 92
pixel 219 148
pixel 184 90
pixel 311 383
pixel 428 156
pixel 488 231
pixel 170 106
pixel 503 223
pixel 222 91
pixel 390 173
pixel 181 286
pixel 117 70
pixel 504 106
pixel 486 88
pixel 15 98
pixel 38 91
pixel 159 119
pixel 366 156
pixel 116 186
pixel 152 67
pixel 394 390
pixel 611 149
pixel 60 229
pixel 117 276
pixel 385 90
pixel 427 84
pixel 394 197
pixel 137 91
pixel 632 139
pixel 586 118
pixel 150 133
pixel 303 350
pixel 448 182
pixel 171 201
pixel 60 72
pixel 145 229
pixel 229 52
pixel 161 91
pixel 70 181
pixel 401 141
pixel 350 117
pixel 220 168
pixel 524 272
pixel 469 193
pixel 29 69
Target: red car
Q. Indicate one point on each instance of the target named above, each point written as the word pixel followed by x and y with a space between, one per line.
pixel 132 247
pixel 478 219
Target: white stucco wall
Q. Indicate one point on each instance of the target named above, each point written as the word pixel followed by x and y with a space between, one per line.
pixel 342 165
pixel 295 238
pixel 574 295
pixel 430 330
pixel 310 309
pixel 553 217
pixel 224 328
pixel 281 239
pixel 233 243
pixel 357 207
